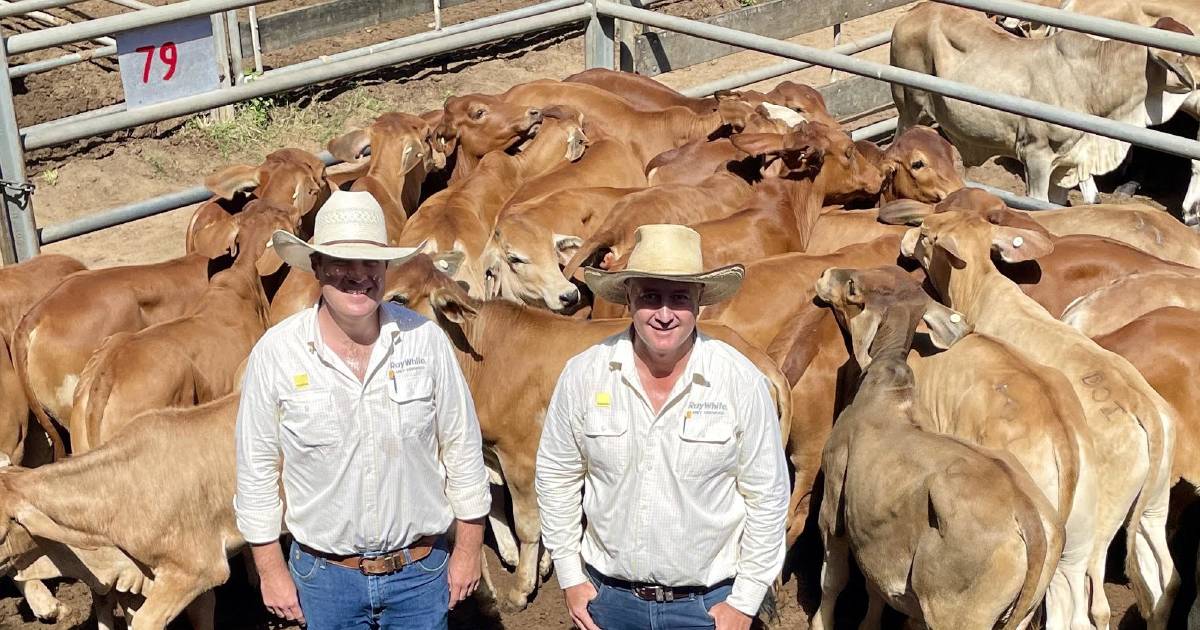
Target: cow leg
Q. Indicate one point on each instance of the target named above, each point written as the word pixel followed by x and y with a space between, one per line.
pixel 1190 213
pixel 1153 567
pixel 1037 177
pixel 873 620
pixel 502 531
pixel 41 601
pixel 174 589
pixel 203 611
pixel 834 573
pixel 545 563
pixel 1100 611
pixel 528 526
pixel 1090 193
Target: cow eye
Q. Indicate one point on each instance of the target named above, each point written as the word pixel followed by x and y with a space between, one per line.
pixel 918 165
pixel 402 300
pixel 515 260
pixel 478 113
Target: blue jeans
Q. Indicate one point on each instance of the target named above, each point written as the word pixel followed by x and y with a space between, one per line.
pixel 619 609
pixel 334 597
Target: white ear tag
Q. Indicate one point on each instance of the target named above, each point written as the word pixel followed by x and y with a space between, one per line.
pixel 443 265
pixel 1018 241
pixel 955 317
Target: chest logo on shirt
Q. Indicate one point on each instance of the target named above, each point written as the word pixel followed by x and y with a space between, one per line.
pixel 406 364
pixel 705 409
pixel 603 399
pixel 300 381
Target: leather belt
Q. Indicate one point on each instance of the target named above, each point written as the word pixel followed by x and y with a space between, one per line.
pixel 379 565
pixel 656 592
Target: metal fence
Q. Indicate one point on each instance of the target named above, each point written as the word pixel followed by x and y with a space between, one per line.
pixel 22 238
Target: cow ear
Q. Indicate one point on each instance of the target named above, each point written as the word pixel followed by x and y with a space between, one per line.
pixel 350 146
pixel 449 262
pixel 213 232
pixel 908 242
pixel 269 261
pixel 950 245
pixel 577 142
pixel 1018 245
pixel 566 246
pixel 946 325
pixel 759 143
pixel 454 304
pixel 863 328
pixel 734 113
pixel 904 212
pixel 230 181
pixel 413 155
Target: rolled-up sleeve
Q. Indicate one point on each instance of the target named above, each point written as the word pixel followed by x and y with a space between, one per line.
pixel 763 483
pixel 257 504
pixel 559 483
pixel 459 438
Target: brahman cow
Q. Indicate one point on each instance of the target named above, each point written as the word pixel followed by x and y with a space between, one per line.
pixel 1108 78
pixel 951 534
pixel 1130 423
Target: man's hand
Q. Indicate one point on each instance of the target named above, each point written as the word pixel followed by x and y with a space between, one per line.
pixel 729 618
pixel 465 560
pixel 278 589
pixel 578 597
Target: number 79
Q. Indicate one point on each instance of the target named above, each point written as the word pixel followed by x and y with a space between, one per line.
pixel 167 53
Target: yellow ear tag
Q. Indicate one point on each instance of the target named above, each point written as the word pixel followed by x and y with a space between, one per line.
pixel 300 381
pixel 603 399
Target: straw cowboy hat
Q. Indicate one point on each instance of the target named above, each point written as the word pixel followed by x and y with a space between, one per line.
pixel 349 226
pixel 668 252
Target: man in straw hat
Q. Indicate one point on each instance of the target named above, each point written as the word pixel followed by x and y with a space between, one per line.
pixel 381 452
pixel 675 439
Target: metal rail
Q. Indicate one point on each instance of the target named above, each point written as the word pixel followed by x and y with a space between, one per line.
pixel 48 135
pixel 961 91
pixel 79 31
pixel 1104 27
pixel 780 69
pixel 26 6
pixel 35 67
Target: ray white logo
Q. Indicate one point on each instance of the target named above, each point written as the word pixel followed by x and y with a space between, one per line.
pixel 707 408
pixel 405 364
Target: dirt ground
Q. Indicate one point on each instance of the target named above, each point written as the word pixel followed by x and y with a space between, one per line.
pixel 124 167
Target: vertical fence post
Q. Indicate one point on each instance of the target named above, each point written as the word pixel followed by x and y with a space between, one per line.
pixel 18 234
pixel 221 42
pixel 627 33
pixel 598 41
pixel 235 47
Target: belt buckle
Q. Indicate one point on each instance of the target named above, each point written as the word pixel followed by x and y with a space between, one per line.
pixel 656 593
pixel 391 567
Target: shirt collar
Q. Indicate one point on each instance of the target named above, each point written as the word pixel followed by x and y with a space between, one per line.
pixel 621 360
pixel 390 330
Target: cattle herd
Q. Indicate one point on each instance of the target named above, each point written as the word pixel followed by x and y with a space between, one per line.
pixel 1012 391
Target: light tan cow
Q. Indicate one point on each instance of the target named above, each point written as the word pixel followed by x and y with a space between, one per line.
pixel 1130 423
pixel 1108 78
pixel 951 534
pixel 176 538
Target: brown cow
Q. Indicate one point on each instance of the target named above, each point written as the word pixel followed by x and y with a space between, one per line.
pixel 642 92
pixel 461 218
pixel 287 178
pixel 401 157
pixel 533 240
pixel 648 133
pixel 920 165
pixel 185 361
pixel 473 126
pixel 1114 305
pixel 57 336
pixel 606 162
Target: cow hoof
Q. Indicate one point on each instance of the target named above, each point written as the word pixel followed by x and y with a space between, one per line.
pixel 514 602
pixel 52 614
pixel 1127 189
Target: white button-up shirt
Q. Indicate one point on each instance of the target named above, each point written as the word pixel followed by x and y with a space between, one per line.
pixel 691 496
pixel 368 466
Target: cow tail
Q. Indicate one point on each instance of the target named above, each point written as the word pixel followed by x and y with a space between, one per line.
pixel 20 359
pixel 1033 532
pixel 1154 442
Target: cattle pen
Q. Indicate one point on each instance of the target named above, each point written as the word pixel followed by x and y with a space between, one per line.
pixel 614 38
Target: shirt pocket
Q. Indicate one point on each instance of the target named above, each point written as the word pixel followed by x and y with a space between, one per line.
pixel 707 448
pixel 412 404
pixel 605 443
pixel 308 419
